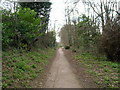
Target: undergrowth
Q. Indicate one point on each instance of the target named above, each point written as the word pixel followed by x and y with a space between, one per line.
pixel 20 67
pixel 105 73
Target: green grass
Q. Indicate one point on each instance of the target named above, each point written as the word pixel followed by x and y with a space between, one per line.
pixel 105 73
pixel 19 68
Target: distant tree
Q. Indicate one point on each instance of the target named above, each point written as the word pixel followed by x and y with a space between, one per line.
pixel 66 35
pixel 47 40
pixel 87 33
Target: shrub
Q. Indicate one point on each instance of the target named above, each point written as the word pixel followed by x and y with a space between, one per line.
pixel 67 47
pixel 110 42
pixel 74 50
pixel 20 28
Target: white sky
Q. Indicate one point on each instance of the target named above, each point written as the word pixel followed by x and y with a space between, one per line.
pixel 57 16
pixel 57 12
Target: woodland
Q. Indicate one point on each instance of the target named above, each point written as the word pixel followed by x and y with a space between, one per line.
pixel 28 45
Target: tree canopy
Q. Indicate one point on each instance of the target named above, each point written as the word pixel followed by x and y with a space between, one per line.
pixel 42 9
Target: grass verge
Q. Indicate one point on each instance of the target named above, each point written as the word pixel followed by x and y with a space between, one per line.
pixel 105 73
pixel 20 67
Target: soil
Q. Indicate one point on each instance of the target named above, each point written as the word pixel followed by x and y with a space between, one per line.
pixel 85 79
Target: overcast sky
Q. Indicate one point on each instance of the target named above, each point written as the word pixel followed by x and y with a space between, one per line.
pixel 57 15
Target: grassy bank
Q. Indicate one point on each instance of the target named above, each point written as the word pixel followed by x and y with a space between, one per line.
pixel 105 73
pixel 20 67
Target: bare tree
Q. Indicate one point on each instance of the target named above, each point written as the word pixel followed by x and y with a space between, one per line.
pixel 104 10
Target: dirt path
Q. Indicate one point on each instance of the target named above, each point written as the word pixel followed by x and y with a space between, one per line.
pixel 61 74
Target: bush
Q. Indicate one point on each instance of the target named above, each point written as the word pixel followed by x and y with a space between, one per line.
pixel 74 50
pixel 21 31
pixel 110 42
pixel 67 47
